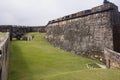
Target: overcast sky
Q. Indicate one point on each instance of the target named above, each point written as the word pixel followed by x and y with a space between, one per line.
pixel 39 12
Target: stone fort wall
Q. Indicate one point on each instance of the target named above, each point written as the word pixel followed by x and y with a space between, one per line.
pixel 4 56
pixel 87 32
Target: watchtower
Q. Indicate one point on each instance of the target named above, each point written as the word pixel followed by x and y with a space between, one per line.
pixel 106 1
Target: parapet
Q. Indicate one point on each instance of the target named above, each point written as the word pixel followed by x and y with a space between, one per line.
pixel 98 9
pixel 4 56
pixel 112 58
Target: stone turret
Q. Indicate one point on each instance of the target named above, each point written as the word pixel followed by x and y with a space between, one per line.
pixel 106 1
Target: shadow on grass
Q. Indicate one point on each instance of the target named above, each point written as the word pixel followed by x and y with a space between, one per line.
pixel 18 66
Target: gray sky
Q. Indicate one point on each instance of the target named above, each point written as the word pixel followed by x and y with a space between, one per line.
pixel 39 12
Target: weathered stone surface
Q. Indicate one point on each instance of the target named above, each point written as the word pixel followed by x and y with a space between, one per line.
pixel 87 32
pixel 4 57
pixel 112 58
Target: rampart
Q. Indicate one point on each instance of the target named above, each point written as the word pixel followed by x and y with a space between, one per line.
pixel 87 32
pixel 4 56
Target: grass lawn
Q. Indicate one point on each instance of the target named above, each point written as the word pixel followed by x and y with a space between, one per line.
pixel 38 60
pixel 2 34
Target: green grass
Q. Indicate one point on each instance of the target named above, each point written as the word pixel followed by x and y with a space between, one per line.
pixel 93 65
pixel 2 34
pixel 38 60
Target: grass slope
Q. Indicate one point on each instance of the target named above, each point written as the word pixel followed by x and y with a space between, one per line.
pixel 38 60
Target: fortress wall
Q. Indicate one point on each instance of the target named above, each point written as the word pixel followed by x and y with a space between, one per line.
pixel 4 57
pixel 86 33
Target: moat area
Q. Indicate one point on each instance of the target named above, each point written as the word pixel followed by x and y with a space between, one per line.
pixel 38 60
